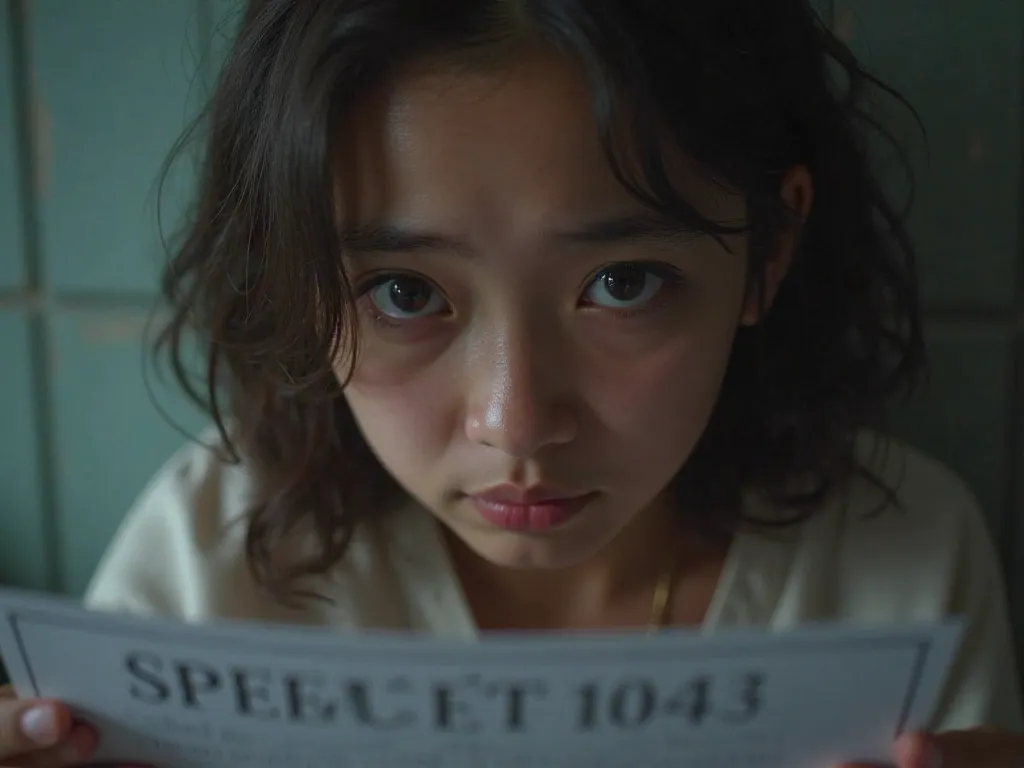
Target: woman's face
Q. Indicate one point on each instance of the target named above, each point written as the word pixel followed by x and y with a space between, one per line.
pixel 538 357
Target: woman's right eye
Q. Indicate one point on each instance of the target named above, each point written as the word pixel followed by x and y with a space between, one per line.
pixel 405 297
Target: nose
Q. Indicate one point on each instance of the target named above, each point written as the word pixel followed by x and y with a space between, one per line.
pixel 520 398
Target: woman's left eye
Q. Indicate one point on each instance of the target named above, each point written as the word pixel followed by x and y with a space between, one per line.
pixel 624 286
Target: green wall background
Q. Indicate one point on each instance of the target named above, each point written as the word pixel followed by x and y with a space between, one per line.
pixel 93 92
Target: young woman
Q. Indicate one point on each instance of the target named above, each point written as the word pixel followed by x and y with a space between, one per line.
pixel 550 315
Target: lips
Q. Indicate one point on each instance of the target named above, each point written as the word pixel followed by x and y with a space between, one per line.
pixel 514 495
pixel 532 510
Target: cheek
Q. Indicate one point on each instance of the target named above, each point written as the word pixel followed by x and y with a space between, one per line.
pixel 659 404
pixel 407 420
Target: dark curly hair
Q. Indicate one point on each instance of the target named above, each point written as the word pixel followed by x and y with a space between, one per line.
pixel 750 88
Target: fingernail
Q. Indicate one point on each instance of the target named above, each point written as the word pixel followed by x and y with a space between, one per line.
pixel 39 724
pixel 80 744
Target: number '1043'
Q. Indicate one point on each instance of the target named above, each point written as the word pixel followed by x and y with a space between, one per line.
pixel 639 702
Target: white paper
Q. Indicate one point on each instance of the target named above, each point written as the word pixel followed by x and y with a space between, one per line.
pixel 176 696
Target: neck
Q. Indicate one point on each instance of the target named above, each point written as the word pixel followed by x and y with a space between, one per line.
pixel 613 589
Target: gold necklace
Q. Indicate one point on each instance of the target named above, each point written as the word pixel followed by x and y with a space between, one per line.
pixel 660 608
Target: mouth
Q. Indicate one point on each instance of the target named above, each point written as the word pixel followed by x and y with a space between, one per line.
pixel 533 510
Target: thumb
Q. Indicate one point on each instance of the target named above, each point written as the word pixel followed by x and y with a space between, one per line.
pixel 975 748
pixel 31 725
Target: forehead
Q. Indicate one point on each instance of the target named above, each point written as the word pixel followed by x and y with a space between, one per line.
pixel 517 142
pixel 510 150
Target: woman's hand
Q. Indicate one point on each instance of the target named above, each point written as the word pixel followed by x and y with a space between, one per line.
pixel 976 748
pixel 40 734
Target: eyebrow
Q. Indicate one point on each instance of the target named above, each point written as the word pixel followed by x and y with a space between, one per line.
pixel 615 230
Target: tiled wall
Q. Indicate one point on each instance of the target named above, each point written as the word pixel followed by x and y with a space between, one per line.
pixel 93 92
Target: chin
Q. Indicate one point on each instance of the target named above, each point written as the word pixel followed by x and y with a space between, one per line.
pixel 514 551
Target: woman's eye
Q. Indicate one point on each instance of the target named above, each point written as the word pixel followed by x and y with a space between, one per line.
pixel 624 286
pixel 406 298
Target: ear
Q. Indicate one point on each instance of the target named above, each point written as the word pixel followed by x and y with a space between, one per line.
pixel 797 193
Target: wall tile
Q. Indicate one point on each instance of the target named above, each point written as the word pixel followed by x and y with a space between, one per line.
pixel 12 256
pixel 117 81
pixel 963 419
pixel 111 437
pixel 24 558
pixel 959 64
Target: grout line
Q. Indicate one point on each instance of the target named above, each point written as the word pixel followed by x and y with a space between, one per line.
pixel 34 300
pixel 39 328
pixel 1011 528
pixel 22 108
pixel 1012 549
pixel 206 25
